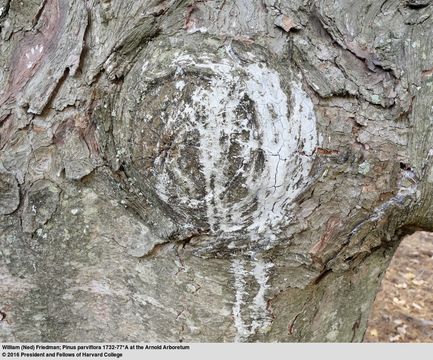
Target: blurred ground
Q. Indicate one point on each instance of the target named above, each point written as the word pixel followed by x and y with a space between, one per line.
pixel 403 310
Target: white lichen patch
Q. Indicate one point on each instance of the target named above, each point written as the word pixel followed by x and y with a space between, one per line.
pixel 244 116
pixel 364 168
pixel 33 55
pixel 193 29
pixel 261 318
pixel 250 313
pixel 239 285
pixel 180 85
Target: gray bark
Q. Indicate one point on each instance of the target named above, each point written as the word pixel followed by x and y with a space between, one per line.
pixel 208 170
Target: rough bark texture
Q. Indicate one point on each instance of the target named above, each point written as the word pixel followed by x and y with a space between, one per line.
pixel 204 170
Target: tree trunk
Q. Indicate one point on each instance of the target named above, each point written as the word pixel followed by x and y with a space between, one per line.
pixel 202 170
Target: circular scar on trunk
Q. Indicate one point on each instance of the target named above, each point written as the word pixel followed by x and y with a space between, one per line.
pixel 226 144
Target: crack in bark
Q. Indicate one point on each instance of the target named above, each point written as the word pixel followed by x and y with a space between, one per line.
pixel 355 326
pixel 38 14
